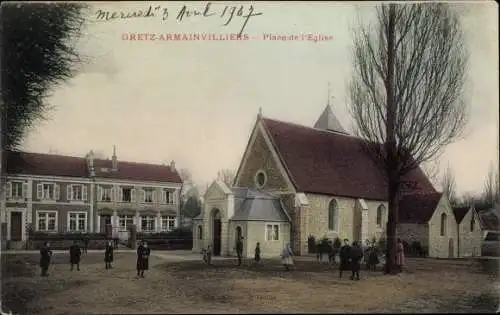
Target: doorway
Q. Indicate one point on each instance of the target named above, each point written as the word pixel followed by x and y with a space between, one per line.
pixel 451 252
pixel 16 226
pixel 216 230
pixel 105 220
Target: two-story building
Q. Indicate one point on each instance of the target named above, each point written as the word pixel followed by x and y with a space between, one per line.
pixel 55 193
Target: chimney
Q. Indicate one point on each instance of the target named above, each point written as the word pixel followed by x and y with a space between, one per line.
pixel 172 165
pixel 90 161
pixel 114 161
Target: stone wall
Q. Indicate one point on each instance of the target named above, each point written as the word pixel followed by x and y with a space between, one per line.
pixel 443 246
pixel 469 240
pixel 410 232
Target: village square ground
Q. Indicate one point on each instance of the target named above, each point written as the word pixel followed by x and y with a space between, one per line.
pixel 178 282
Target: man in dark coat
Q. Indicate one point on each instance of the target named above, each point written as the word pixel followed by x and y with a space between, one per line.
pixel 74 255
pixel 108 254
pixel 344 256
pixel 239 250
pixel 356 254
pixel 45 257
pixel 143 253
pixel 257 253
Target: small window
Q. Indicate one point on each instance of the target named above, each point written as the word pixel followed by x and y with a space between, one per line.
pixel 106 194
pixel 46 221
pixel 17 190
pixel 148 196
pixel 472 223
pixel 168 223
pixel 333 213
pixel 77 221
pixel 260 179
pixel 443 224
pixel 124 221
pixel 148 223
pixel 272 232
pixel 127 194
pixel 200 232
pixel 380 215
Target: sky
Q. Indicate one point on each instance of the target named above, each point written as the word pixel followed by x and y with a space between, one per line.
pixel 195 102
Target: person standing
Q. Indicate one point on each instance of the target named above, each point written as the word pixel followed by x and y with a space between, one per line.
pixel 344 256
pixel 257 253
pixel 400 255
pixel 45 257
pixel 287 257
pixel 74 255
pixel 356 254
pixel 108 254
pixel 373 260
pixel 239 250
pixel 143 253
pixel 86 241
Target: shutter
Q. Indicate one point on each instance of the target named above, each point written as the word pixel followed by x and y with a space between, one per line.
pixel 39 191
pixel 69 192
pixel 99 193
pixel 164 196
pixel 133 195
pixel 84 192
pixel 112 194
pixel 154 195
pixel 143 195
pixel 120 194
pixel 25 190
pixel 8 192
pixel 174 197
pixel 57 193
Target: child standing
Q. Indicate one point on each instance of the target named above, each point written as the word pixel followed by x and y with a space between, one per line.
pixel 257 253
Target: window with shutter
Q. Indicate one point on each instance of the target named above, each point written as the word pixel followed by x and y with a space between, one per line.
pixel 39 191
pixel 163 196
pixel 57 193
pixel 25 190
pixel 69 192
pixel 8 192
pixel 174 197
pixel 84 192
pixel 133 195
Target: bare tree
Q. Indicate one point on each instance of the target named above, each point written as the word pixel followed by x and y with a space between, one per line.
pixel 491 189
pixel 407 92
pixel 448 185
pixel 431 169
pixel 226 176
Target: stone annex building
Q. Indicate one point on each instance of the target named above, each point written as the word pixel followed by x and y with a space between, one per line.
pixel 295 181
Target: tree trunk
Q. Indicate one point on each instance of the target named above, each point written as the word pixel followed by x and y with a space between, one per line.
pixel 390 146
pixel 392 220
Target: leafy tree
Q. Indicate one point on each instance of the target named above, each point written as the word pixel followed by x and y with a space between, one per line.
pixel 407 92
pixel 38 53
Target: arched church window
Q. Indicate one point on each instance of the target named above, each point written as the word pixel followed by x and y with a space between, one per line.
pixel 200 232
pixel 472 223
pixel 333 215
pixel 380 215
pixel 443 224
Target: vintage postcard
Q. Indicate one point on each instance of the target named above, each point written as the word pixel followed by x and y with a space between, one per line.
pixel 249 157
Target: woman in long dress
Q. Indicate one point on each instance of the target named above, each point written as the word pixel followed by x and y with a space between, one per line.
pixel 287 257
pixel 400 255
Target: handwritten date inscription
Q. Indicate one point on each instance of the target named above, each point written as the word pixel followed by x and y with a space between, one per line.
pixel 228 14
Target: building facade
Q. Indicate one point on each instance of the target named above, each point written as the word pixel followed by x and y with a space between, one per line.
pixel 327 183
pixel 55 193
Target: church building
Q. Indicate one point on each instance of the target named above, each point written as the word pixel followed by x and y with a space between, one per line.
pixel 296 181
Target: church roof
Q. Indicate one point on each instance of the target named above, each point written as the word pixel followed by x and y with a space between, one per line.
pixel 418 208
pixel 328 121
pixel 460 212
pixel 254 205
pixel 331 163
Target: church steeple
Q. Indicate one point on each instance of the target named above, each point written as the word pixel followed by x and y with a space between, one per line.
pixel 327 120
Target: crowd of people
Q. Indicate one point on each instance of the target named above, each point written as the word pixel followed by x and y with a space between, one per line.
pixel 75 254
